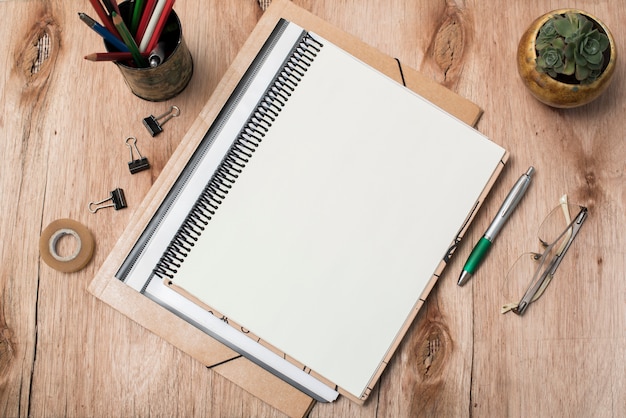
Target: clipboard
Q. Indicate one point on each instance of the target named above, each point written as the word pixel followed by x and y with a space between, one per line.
pixel 221 359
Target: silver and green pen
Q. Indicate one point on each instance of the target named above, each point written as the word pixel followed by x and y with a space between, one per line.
pixel 480 250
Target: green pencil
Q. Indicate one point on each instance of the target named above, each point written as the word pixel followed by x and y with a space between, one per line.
pixel 138 9
pixel 128 40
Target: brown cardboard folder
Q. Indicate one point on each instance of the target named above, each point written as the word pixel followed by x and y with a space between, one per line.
pixel 175 330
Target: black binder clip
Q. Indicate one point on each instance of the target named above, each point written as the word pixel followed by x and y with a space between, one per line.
pixel 117 198
pixel 152 123
pixel 139 164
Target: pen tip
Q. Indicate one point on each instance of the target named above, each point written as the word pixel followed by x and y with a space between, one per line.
pixel 465 275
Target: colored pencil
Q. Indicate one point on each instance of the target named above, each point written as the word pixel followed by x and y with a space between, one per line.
pixel 116 8
pixel 136 15
pixel 111 56
pixel 154 19
pixel 160 25
pixel 128 39
pixel 145 18
pixel 104 17
pixel 102 31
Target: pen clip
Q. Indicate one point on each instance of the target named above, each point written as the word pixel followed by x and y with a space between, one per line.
pixel 517 192
pixel 510 203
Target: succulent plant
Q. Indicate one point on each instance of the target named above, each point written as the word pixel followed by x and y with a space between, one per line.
pixel 570 45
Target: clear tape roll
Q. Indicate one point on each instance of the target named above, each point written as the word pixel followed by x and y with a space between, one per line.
pixel 51 236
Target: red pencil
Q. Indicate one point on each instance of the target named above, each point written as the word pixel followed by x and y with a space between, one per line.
pixel 112 56
pixel 104 17
pixel 145 18
pixel 115 6
pixel 160 25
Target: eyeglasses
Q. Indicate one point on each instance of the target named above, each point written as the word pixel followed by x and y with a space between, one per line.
pixel 540 267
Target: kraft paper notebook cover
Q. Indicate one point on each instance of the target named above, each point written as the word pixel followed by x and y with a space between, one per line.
pixel 176 326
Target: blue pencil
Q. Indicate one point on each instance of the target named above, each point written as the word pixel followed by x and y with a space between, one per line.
pixel 102 31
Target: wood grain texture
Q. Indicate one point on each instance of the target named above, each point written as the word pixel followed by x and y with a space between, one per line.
pixel 63 125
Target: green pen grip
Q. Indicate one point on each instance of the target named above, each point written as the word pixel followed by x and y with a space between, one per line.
pixel 477 255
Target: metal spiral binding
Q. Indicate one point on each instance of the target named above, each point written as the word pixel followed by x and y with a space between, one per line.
pixel 239 154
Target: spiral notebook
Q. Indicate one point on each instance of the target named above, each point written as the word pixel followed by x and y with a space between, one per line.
pixel 321 210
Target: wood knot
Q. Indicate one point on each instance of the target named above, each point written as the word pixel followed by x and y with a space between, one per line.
pixel 427 360
pixel 448 45
pixel 39 51
pixel 432 350
pixel 590 190
pixel 590 178
pixel 7 352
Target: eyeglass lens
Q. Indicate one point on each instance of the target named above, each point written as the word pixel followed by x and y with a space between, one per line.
pixel 529 268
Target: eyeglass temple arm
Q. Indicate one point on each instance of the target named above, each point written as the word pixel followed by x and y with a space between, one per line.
pixel 554 263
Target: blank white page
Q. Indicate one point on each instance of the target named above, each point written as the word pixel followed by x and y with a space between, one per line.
pixel 335 227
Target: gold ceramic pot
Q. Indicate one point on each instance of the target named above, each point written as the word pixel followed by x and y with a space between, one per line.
pixel 545 88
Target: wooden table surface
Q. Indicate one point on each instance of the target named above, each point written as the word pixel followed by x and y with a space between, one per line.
pixel 62 129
